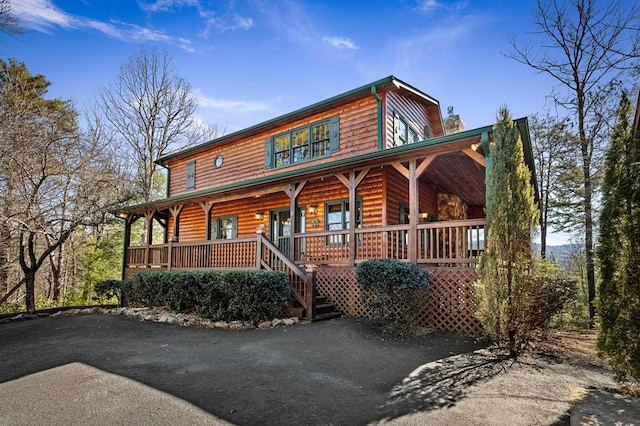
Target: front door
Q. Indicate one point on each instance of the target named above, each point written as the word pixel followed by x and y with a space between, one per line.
pixel 281 228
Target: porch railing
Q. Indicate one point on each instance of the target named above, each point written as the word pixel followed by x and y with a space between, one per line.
pixel 443 243
pixel 439 243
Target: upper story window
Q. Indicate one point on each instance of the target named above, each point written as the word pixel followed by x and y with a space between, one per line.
pixel 302 144
pixel 404 133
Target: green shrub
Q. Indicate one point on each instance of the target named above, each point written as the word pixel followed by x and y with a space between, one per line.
pixel 229 295
pixel 109 289
pixel 391 289
pixel 256 295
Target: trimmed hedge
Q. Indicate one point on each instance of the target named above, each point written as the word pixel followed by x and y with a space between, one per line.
pixel 391 289
pixel 217 295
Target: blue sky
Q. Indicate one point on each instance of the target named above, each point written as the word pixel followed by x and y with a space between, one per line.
pixel 252 60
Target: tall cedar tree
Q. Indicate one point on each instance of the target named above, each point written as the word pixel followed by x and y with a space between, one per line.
pixel 512 215
pixel 619 251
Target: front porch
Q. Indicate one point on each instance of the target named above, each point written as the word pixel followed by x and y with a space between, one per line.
pixel 322 265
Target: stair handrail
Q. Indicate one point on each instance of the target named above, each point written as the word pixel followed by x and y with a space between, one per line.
pixel 305 299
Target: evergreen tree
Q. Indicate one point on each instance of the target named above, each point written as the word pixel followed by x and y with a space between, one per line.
pixel 511 217
pixel 619 250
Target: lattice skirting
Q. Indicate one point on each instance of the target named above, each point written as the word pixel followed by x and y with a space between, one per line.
pixel 449 305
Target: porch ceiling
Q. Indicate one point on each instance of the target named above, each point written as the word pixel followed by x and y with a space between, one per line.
pixel 458 174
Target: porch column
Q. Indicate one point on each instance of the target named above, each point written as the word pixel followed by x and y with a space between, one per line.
pixel 206 207
pixel 292 192
pixel 148 224
pixel 413 175
pixel 352 183
pixel 175 213
pixel 414 210
pixel 126 244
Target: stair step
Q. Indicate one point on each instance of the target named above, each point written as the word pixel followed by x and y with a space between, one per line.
pixel 324 308
pixel 327 316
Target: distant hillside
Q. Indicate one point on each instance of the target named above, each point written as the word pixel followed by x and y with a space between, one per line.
pixel 561 253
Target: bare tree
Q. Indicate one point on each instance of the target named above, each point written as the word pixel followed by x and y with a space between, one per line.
pixel 8 22
pixel 59 180
pixel 585 48
pixel 150 109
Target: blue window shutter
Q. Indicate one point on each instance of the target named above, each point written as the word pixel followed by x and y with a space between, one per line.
pixel 334 134
pixel 191 175
pixel 268 154
pixel 215 229
pixel 234 231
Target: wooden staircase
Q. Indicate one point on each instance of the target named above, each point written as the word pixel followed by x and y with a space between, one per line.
pixel 322 309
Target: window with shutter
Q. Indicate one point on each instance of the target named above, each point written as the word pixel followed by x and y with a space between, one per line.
pixel 303 144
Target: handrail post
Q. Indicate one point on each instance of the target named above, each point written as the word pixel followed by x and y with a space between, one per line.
pixel 310 296
pixel 260 231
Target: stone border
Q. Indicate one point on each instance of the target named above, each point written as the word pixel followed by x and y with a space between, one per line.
pixel 165 316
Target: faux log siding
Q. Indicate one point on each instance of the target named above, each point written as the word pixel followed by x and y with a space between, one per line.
pixel 370 189
pixel 244 159
pixel 398 191
pixel 415 113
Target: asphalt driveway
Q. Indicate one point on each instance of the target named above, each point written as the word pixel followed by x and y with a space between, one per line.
pixel 334 372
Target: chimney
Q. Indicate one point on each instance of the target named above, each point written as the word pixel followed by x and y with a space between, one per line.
pixel 453 123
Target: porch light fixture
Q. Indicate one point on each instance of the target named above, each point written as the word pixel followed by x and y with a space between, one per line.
pixel 259 215
pixel 313 209
pixel 475 146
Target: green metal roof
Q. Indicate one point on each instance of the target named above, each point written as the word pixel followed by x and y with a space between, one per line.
pixel 366 89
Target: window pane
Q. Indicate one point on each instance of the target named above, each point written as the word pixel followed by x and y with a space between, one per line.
pixel 402 132
pixel 300 153
pixel 413 136
pixel 282 158
pixel 320 149
pixel 281 143
pixel 320 132
pixel 301 137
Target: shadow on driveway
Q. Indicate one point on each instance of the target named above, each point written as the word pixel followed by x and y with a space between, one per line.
pixel 342 371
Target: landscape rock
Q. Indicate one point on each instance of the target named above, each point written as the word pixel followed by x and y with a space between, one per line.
pixel 276 322
pixel 264 325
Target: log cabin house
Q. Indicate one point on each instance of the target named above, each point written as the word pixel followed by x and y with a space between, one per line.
pixel 376 172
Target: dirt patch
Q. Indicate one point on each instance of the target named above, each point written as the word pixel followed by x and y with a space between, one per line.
pixel 577 347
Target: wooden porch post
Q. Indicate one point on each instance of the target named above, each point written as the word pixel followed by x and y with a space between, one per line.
pixel 413 175
pixel 148 223
pixel 292 192
pixel 259 236
pixel 206 208
pixel 352 183
pixel 414 210
pixel 175 213
pixel 126 243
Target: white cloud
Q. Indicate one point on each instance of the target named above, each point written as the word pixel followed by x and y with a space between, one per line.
pixel 227 105
pixel 340 42
pixel 428 6
pixel 43 15
pixel 166 5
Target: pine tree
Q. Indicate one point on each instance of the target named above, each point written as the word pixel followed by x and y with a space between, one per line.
pixel 619 251
pixel 511 216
